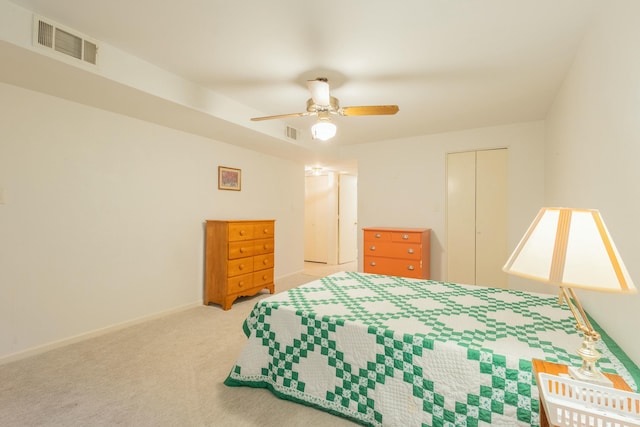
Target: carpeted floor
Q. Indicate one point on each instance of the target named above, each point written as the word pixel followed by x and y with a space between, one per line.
pixel 164 372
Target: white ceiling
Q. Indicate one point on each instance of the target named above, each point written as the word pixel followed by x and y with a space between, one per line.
pixel 448 64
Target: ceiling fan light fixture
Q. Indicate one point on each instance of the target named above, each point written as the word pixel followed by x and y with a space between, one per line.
pixel 323 130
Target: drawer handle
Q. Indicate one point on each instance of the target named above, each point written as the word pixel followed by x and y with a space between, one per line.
pixel 242 232
pixel 405 236
pixel 241 267
pixel 265 247
pixel 378 235
pixel 411 268
pixel 265 231
pixel 410 250
pixel 242 250
pixel 240 284
pixel 265 262
pixel 372 248
pixel 372 263
pixel 264 277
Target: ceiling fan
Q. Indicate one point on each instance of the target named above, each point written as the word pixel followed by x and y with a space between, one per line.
pixel 323 105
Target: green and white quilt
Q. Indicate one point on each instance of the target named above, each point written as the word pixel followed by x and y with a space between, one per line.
pixel 393 351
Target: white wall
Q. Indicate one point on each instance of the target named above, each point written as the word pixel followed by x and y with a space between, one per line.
pixel 593 150
pixel 102 220
pixel 401 183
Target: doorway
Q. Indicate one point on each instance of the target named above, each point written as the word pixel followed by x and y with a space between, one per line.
pixel 330 219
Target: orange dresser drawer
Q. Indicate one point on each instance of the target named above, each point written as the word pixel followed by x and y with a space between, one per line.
pixel 400 250
pixel 241 249
pixel 263 277
pixel 260 262
pixel 240 231
pixel 240 283
pixel 239 266
pixel 383 235
pixel 263 246
pixel 263 229
pixel 377 236
pixel 406 237
pixel 393 267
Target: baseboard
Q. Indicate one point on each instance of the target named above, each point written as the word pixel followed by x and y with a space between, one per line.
pixel 289 275
pixel 92 334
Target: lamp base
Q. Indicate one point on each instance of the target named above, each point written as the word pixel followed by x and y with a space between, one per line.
pixel 589 371
pixel 594 377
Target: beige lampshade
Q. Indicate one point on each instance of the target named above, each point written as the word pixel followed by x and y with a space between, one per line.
pixel 570 248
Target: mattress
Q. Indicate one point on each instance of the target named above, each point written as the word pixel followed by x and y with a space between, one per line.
pixel 393 351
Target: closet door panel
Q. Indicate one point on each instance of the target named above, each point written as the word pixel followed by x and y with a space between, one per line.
pixel 461 200
pixel 491 217
pixel 317 218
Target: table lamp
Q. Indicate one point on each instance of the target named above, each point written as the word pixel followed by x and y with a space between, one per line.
pixel 572 248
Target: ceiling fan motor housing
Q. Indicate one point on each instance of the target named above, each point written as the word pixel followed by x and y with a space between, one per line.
pixel 333 106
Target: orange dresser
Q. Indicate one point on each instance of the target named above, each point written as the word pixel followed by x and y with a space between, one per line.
pixel 397 251
pixel 239 259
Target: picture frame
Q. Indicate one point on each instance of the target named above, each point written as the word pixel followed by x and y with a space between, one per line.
pixel 229 178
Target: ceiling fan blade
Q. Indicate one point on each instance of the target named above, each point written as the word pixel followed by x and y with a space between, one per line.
pixel 280 116
pixel 319 89
pixel 369 110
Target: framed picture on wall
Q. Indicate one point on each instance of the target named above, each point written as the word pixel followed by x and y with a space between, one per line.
pixel 229 178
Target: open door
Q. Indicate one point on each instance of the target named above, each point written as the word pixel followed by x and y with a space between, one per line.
pixel 347 219
pixel 317 218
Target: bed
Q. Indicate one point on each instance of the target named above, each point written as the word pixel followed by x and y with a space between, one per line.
pixel 383 350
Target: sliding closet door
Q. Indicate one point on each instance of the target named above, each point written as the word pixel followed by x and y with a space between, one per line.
pixel 477 217
pixel 491 217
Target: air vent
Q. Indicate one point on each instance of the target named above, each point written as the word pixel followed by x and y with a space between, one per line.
pixel 67 42
pixel 291 133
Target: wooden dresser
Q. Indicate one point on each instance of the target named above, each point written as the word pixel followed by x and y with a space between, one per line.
pixel 397 251
pixel 239 259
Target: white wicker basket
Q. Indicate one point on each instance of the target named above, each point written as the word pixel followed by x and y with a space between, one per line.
pixel 581 404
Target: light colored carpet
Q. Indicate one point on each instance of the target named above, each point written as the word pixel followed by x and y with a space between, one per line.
pixel 164 372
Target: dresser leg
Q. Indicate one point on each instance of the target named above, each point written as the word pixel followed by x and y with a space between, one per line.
pixel 227 303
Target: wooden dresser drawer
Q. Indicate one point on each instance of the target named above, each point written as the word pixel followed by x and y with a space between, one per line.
pixel 394 267
pixel 263 246
pixel 383 249
pixel 406 237
pixel 263 229
pixel 240 231
pixel 263 277
pixel 239 266
pixel 241 249
pixel 260 262
pixel 240 283
pixel 377 236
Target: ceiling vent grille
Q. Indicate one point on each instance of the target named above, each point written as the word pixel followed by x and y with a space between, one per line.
pixel 50 35
pixel 291 133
